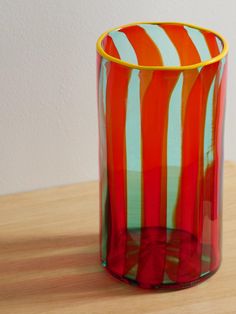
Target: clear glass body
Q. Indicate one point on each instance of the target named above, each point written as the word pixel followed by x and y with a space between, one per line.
pixel 161 99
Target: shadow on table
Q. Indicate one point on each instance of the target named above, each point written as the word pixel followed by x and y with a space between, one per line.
pixel 63 267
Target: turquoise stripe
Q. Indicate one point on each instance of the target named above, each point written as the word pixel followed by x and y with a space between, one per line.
pixel 103 152
pixel 104 82
pixel 168 51
pixel 174 142
pixel 219 44
pixel 222 69
pixel 208 159
pixel 208 140
pixel 200 43
pixel 133 152
pixel 133 159
pixel 124 47
pixel 208 147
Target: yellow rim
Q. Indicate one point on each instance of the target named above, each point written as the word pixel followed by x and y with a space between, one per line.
pixel 160 67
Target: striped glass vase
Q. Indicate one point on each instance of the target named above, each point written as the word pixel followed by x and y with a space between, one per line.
pixel 161 101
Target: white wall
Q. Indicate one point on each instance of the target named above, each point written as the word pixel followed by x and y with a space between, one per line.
pixel 48 111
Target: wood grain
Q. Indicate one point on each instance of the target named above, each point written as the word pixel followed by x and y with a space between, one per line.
pixel 49 259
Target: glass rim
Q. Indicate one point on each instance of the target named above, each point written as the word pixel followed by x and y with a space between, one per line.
pixel 107 56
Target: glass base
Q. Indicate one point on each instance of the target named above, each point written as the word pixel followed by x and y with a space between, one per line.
pixel 161 287
pixel 160 258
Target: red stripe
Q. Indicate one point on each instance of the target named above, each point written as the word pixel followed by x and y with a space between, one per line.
pixel 117 88
pixel 210 189
pixel 192 147
pixel 207 81
pixel 154 113
pixel 211 43
pixel 99 154
pixel 218 151
pixel 146 51
pixel 208 194
pixel 109 47
pixel 190 199
pixel 154 122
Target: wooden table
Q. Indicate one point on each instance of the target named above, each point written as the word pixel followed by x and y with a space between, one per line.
pixel 49 259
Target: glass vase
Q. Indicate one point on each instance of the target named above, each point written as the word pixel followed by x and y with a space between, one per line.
pixel 161 102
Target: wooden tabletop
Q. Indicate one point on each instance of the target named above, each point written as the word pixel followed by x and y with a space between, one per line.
pixel 49 259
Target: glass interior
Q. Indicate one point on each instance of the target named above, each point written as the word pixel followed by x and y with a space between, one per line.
pixel 164 44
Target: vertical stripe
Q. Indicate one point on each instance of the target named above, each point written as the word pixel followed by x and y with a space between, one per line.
pixel 102 157
pixel 216 215
pixel 154 144
pixel 110 47
pixel 191 193
pixel 195 113
pixel 208 182
pixel 133 151
pixel 98 72
pixel 211 43
pixel 116 96
pixel 133 156
pixel 162 41
pixel 103 77
pixel 123 46
pixel 127 54
pixel 174 142
pixel 199 42
pixel 208 145
pixel 220 45
pixel 154 121
pixel 174 151
pixel 222 68
pixel 180 38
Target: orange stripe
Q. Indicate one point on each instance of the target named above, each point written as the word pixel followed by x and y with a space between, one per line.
pixel 188 54
pixel 187 51
pixel 146 51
